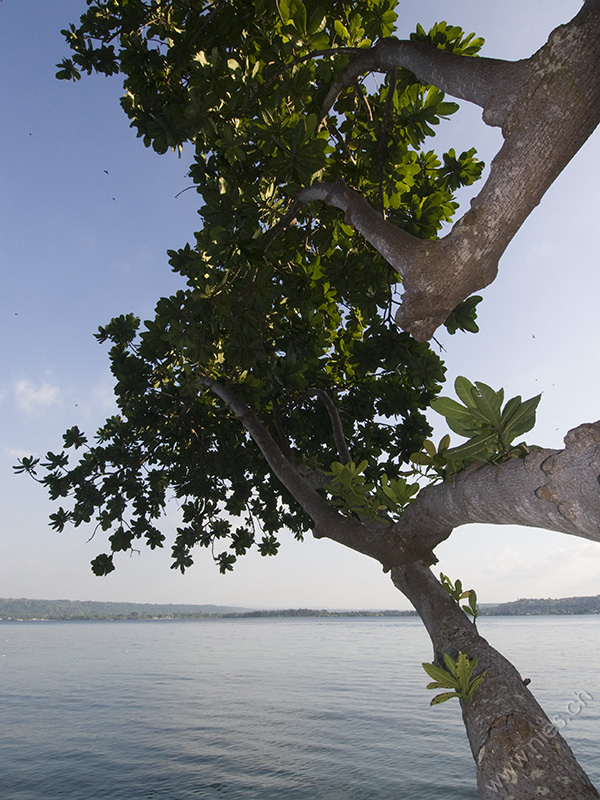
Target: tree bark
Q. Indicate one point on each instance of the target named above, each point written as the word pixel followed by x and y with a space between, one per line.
pixel 519 754
pixel 556 490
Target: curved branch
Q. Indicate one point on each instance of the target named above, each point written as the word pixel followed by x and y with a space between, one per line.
pixel 503 720
pixel 398 247
pixel 486 82
pixel 314 505
pixel 555 490
pixel 378 541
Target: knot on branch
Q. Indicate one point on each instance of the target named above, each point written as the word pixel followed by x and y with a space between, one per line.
pixel 584 436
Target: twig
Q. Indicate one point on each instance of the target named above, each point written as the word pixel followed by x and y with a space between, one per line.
pixel 336 423
pixel 384 136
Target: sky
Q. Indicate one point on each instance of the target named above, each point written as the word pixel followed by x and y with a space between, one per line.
pixel 86 216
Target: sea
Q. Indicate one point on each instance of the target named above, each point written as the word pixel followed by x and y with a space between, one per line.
pixel 286 708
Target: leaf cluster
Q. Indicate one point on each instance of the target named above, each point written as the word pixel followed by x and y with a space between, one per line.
pixel 489 426
pixel 464 315
pixel 277 319
pixel 456 592
pixel 457 676
pixel 449 37
pixel 351 492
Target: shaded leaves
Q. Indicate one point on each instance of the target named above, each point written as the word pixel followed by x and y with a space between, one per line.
pixel 241 84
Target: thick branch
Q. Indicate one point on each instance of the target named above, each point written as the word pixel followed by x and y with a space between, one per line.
pixel 547 106
pixel 518 753
pixel 551 489
pixel 398 247
pixel 378 541
pixel 483 81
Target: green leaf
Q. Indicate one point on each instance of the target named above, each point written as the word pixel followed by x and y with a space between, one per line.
pixel 464 668
pixel 429 448
pixel 438 685
pixel 489 403
pixel 444 443
pixel 465 389
pixel 460 419
pixel 74 438
pixel 341 31
pixel 464 315
pixel 284 10
pixel 59 519
pixel 103 565
pixel 440 675
pixel 450 664
pixel 67 71
pixel 27 464
pixel 478 448
pixel 519 417
pixel 298 12
pixel 442 698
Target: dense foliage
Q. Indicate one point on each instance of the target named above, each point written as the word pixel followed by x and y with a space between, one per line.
pixel 298 320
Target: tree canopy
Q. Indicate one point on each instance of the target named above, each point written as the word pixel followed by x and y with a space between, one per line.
pixel 296 320
pixel 284 386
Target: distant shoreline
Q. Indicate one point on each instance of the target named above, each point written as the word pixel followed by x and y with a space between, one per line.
pixel 25 610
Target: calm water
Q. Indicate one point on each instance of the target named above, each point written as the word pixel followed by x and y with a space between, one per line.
pixel 294 709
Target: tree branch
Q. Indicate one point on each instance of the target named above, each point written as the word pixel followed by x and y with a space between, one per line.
pixel 555 490
pixel 336 424
pixel 378 541
pixel 398 247
pixel 503 720
pixel 547 107
pixel 487 82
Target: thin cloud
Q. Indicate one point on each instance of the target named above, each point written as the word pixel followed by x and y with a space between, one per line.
pixel 31 398
pixel 14 452
pixel 562 572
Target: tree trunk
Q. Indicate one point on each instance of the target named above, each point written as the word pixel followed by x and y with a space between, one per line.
pixel 519 754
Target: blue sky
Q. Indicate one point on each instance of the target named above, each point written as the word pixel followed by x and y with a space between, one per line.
pixel 86 216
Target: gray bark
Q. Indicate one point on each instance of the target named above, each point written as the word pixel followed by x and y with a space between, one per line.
pixel 556 490
pixel 519 754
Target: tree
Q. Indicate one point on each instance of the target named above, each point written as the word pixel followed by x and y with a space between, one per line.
pixel 284 387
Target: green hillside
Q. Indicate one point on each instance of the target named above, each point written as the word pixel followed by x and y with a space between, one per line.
pixel 25 609
pixel 22 608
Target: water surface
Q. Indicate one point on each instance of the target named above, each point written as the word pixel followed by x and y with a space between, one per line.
pixel 263 708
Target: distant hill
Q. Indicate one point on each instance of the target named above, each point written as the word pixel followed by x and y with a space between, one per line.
pixel 318 612
pixel 24 609
pixel 566 605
